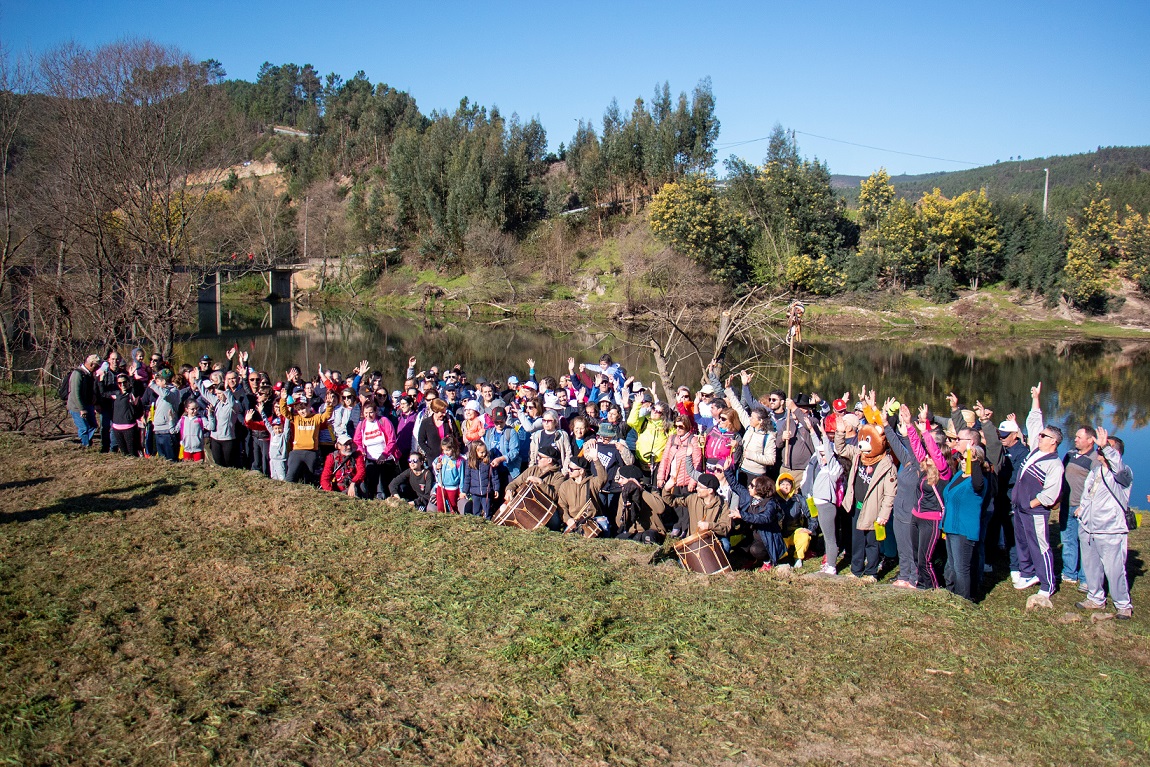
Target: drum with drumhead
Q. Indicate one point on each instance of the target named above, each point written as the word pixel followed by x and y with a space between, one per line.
pixel 703 553
pixel 530 510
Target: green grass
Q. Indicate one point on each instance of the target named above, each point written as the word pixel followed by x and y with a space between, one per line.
pixel 159 614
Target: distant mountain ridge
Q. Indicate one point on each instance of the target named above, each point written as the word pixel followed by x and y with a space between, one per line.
pixel 1123 172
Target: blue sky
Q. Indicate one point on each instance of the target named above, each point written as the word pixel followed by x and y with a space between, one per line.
pixel 973 82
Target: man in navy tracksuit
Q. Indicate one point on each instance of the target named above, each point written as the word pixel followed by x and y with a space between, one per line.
pixel 1035 493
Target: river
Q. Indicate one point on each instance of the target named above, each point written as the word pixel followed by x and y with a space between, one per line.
pixel 1084 381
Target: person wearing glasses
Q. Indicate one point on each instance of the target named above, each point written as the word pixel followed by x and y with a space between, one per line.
pixel 1102 529
pixel 1035 493
pixel 550 436
pixel 414 484
pixel 126 410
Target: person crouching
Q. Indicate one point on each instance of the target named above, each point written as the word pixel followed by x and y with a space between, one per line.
pixel 343 471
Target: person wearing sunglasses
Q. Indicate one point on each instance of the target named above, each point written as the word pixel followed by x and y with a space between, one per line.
pixel 1035 493
pixel 414 484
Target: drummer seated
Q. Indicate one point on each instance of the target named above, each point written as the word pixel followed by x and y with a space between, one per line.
pixel 585 479
pixel 546 476
pixel 640 512
pixel 702 510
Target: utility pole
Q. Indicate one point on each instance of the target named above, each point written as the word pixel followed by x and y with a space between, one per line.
pixel 1045 192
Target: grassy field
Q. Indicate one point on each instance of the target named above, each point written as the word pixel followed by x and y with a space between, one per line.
pixel 185 615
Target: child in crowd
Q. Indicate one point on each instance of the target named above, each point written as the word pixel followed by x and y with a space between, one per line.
pixel 192 431
pixel 279 444
pixel 448 471
pixel 765 514
pixel 480 482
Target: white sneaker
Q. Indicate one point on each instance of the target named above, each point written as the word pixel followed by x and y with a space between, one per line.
pixel 1025 583
pixel 1015 576
pixel 1044 593
pixel 798 564
pixel 829 570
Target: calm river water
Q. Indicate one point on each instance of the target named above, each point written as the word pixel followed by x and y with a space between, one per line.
pixel 1096 382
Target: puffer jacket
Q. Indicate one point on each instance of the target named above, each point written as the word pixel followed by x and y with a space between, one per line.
pixel 1106 496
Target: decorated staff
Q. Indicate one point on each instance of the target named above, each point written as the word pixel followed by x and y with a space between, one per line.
pixel 795 314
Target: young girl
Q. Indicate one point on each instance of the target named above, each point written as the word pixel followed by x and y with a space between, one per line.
pixel 480 482
pixel 278 446
pixel 765 514
pixel 473 426
pixel 448 470
pixel 192 430
pixel 928 510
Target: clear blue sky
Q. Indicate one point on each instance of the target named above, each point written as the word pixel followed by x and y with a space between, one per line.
pixel 972 81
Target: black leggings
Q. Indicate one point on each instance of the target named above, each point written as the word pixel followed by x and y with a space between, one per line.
pixel 224 452
pixel 124 440
pixel 924 539
pixel 301 466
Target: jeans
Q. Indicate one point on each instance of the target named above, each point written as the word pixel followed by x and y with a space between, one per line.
pixel 960 560
pixel 167 445
pixel 85 424
pixel 1069 536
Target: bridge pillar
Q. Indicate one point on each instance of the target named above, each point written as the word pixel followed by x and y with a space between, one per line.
pixel 209 305
pixel 210 288
pixel 282 285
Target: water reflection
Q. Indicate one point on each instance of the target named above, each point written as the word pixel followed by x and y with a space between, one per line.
pixel 1085 381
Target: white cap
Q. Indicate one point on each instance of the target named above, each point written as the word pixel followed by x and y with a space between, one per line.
pixel 472 405
pixel 1008 427
pixel 707 389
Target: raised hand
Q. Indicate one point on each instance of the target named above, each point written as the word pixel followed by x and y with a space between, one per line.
pixel 1101 437
pixel 923 413
pixel 411 362
pixel 571 363
pixel 904 415
pixel 952 400
pixel 530 363
pixel 746 376
pixel 1036 392
pixel 364 367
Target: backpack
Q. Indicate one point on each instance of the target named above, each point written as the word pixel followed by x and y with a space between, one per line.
pixel 65 386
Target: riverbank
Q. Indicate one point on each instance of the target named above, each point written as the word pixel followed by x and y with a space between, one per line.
pixel 630 277
pixel 187 614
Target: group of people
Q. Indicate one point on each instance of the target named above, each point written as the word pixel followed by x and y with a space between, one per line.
pixel 774 480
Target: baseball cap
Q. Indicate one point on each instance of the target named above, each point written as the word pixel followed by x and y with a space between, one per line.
pixel 839 406
pixel 1007 427
pixel 707 389
pixel 513 380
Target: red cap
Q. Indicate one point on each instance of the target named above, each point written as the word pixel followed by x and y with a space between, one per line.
pixel 839 406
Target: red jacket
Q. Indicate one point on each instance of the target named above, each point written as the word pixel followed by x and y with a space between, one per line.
pixel 339 473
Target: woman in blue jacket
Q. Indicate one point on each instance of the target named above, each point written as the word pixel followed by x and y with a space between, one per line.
pixel 962 519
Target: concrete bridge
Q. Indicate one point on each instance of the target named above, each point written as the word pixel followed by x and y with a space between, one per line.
pixel 280 281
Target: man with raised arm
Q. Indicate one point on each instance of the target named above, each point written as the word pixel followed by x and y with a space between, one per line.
pixel 1035 494
pixel 1102 530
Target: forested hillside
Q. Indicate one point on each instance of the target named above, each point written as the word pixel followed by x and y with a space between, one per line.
pixel 1123 173
pixel 125 167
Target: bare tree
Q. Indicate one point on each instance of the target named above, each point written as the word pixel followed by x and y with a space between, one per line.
pixel 16 222
pixel 139 145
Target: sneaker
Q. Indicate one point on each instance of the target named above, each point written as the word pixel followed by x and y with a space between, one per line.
pixel 987 569
pixel 829 570
pixel 1025 583
pixel 869 579
pixel 901 584
pixel 1124 613
pixel 1082 587
pixel 798 564
pixel 1015 576
pixel 766 568
pixel 850 575
pixel 675 532
pixel 1086 604
pixel 1043 593
pixel 1068 579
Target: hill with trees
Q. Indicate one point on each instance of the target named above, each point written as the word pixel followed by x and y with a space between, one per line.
pixel 115 179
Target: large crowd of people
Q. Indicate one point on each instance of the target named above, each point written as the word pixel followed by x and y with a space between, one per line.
pixel 938 499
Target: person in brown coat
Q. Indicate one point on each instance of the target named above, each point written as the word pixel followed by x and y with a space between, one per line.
pixel 702 510
pixel 869 493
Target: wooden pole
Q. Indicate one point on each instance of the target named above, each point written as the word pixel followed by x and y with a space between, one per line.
pixel 790 362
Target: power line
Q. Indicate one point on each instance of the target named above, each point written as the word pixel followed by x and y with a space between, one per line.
pixel 852 143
